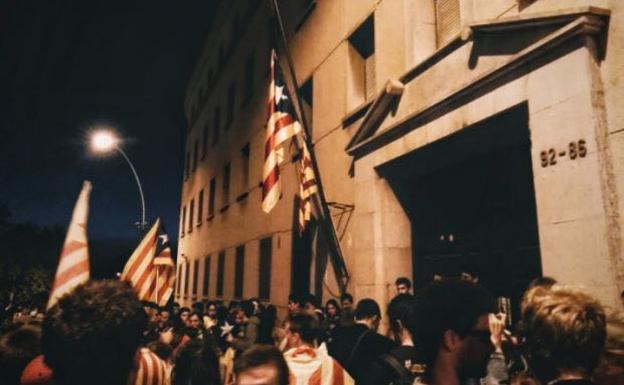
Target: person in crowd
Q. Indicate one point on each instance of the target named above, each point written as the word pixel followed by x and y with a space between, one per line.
pixel 210 318
pixel 268 319
pixel 306 361
pixel 311 307
pixel 196 324
pixel 295 304
pixel 261 365
pixel 452 329
pixel 175 308
pixel 197 364
pixel 565 333
pixel 93 333
pixel 611 369
pixel 346 311
pixel 18 346
pixel 355 347
pixel 332 318
pixel 404 363
pixel 164 315
pixel 183 316
pixel 247 325
pixel 403 285
pixel 151 309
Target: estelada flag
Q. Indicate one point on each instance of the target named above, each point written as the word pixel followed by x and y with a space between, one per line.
pixel 151 275
pixel 73 267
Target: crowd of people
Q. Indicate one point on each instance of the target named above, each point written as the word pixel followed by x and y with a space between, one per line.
pixel 449 332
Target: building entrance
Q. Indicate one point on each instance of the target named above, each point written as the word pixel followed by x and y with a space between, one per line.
pixel 471 203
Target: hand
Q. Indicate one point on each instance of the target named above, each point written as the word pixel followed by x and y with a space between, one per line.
pixel 497 325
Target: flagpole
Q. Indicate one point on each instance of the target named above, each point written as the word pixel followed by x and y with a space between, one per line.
pixel 328 228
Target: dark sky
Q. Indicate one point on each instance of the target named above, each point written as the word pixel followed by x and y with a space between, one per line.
pixel 67 65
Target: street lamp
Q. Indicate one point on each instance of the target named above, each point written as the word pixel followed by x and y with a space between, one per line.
pixel 103 141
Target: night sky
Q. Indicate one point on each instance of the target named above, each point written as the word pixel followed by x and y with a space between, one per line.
pixel 68 65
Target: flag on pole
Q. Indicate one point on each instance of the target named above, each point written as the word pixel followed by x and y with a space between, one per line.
pixel 280 127
pixel 307 187
pixel 73 267
pixel 165 270
pixel 150 269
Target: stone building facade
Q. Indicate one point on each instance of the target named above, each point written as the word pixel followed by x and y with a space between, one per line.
pixel 451 135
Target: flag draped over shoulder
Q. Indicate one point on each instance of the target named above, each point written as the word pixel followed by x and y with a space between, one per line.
pixel 73 267
pixel 281 126
pixel 149 370
pixel 150 269
pixel 307 187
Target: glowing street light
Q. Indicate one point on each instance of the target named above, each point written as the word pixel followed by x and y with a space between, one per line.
pixel 103 141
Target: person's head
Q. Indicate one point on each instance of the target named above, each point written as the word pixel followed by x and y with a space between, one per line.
pixel 92 333
pixel 545 282
pixel 164 315
pixel 346 301
pixel 151 309
pixel 240 316
pixel 451 327
pixel 367 312
pixel 302 330
pixel 565 332
pixel 402 317
pixel 211 310
pixel 331 308
pixel 195 320
pixel 295 304
pixel 17 348
pixel 403 285
pixel 184 314
pixel 176 308
pixel 310 304
pixel 261 365
pixel 197 364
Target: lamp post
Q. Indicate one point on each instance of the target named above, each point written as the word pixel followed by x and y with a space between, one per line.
pixel 103 141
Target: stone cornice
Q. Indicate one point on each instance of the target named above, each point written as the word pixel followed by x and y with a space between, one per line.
pixel 570 25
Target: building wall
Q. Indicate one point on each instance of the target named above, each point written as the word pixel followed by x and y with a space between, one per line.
pixel 571 96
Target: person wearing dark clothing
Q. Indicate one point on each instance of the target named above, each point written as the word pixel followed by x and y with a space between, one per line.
pixel 355 347
pixel 404 363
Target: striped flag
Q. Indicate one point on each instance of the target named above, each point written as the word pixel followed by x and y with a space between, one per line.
pixel 307 187
pixel 149 369
pixel 280 127
pixel 165 271
pixel 141 270
pixel 73 267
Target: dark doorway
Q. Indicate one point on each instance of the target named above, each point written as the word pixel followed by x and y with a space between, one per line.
pixel 471 203
pixel 301 261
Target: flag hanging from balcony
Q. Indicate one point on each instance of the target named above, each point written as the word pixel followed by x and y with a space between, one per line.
pixel 281 126
pixel 73 267
pixel 150 269
pixel 307 187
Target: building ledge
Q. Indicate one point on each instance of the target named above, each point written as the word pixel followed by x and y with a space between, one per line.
pixel 567 25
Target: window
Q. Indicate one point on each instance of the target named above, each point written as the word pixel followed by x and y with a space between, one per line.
pixel 186 278
pixel 206 275
pixel 187 165
pixel 264 286
pixel 362 63
pixel 239 272
pixel 179 280
pixel 250 65
pixel 195 150
pixel 226 185
pixel 220 271
pixel 204 140
pixel 211 197
pixel 245 159
pixel 191 216
pixel 216 122
pixel 447 20
pixel 200 207
pixel 195 277
pixel 183 221
pixel 230 105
